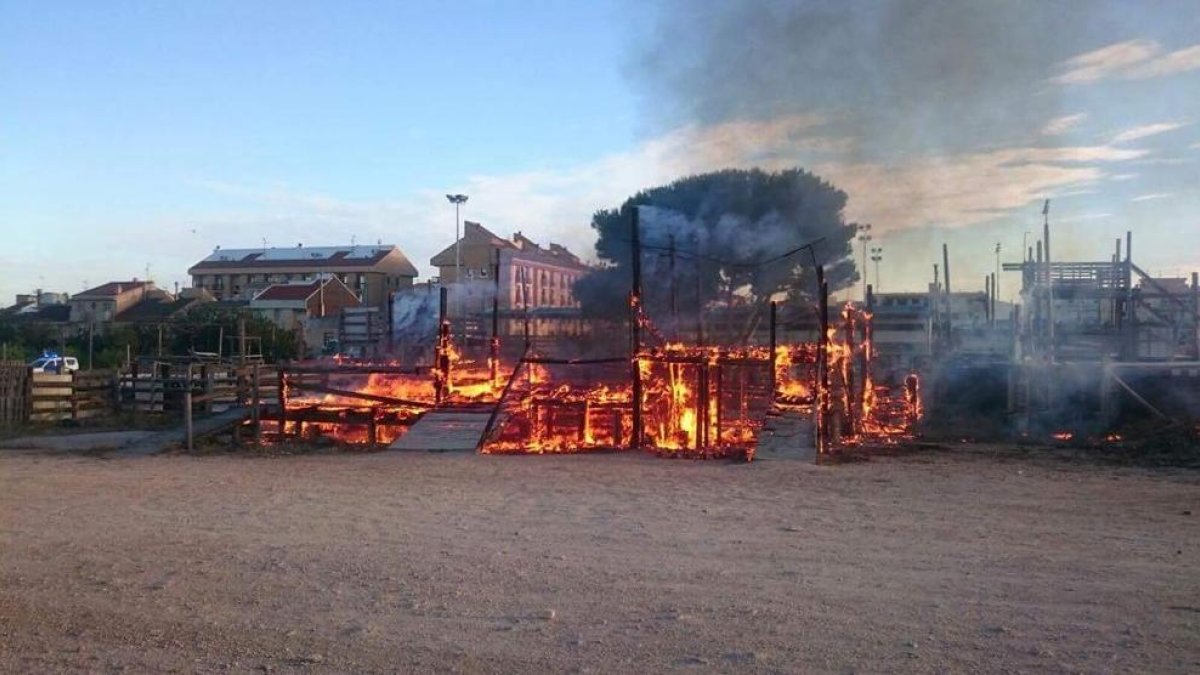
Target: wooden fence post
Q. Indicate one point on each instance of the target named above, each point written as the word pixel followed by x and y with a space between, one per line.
pixel 256 401
pixel 187 415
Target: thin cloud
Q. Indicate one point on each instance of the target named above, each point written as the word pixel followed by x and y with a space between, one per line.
pixel 1145 131
pixel 950 190
pixel 1083 217
pixel 1152 196
pixel 1131 60
pixel 1123 176
pixel 1180 61
pixel 1106 61
pixel 1061 125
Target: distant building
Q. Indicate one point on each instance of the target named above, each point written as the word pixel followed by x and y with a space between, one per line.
pixel 531 276
pixel 909 326
pixel 30 303
pixel 313 309
pixel 370 272
pixel 160 309
pixel 102 304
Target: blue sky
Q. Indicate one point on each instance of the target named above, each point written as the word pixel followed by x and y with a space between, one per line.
pixel 135 133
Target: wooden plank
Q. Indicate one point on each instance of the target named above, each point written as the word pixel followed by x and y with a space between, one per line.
pixel 50 378
pixel 444 431
pixel 202 427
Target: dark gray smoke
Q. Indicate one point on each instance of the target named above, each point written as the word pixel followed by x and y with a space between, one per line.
pixel 922 74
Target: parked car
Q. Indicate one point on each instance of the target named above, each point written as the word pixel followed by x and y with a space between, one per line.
pixel 53 363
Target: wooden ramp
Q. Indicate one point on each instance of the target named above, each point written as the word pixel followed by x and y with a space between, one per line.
pixel 445 431
pixel 203 426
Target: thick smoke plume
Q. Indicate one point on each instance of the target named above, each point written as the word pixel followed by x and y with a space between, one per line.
pixel 922 74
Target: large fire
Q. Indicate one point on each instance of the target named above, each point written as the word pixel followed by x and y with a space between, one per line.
pixel 674 399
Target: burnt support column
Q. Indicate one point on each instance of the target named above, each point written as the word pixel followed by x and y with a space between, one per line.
pixel 494 364
pixel 1196 315
pixel 822 363
pixel 774 320
pixel 1049 279
pixel 949 302
pixel 635 327
pixel 848 376
pixel 441 363
pixel 1130 310
pixel 282 396
pixel 987 301
pixel 869 337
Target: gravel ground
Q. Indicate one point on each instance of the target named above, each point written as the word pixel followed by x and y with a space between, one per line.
pixel 933 562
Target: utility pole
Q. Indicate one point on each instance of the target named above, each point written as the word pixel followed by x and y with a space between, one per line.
pixel 1049 276
pixel 457 200
pixel 996 281
pixel 635 301
pixel 876 256
pixel 674 301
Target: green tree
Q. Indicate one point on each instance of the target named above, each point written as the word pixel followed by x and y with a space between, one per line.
pixel 202 328
pixel 736 233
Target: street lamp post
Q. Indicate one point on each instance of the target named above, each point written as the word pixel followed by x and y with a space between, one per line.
pixel 996 284
pixel 876 256
pixel 457 200
pixel 864 236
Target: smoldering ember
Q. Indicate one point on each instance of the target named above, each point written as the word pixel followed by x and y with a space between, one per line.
pixel 926 414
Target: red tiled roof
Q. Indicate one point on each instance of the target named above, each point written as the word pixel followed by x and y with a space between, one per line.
pixel 111 289
pixel 289 291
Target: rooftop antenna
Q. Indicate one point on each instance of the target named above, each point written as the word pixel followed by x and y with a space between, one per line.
pixel 264 240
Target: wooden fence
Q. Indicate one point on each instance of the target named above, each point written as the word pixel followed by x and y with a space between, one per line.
pixel 214 387
pixel 14 393
pixel 74 396
pixel 26 396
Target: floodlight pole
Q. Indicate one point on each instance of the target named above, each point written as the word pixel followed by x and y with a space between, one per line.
pixel 457 200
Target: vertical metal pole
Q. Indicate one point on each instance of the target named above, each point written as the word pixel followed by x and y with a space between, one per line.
pixel 699 303
pixel 987 300
pixel 822 379
pixel 457 262
pixel 774 319
pixel 995 296
pixel 949 300
pixel 674 302
pixel 1049 278
pixel 495 344
pixel 1130 310
pixel 1196 315
pixel 635 299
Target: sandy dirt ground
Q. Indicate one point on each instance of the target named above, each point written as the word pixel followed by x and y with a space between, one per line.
pixel 931 562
